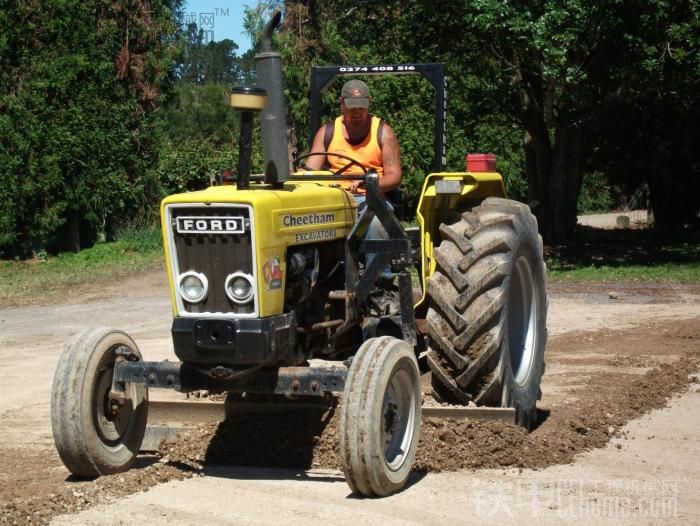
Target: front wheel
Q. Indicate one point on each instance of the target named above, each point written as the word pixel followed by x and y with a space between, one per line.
pixel 93 435
pixel 380 417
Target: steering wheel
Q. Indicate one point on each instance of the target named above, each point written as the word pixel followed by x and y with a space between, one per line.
pixel 351 162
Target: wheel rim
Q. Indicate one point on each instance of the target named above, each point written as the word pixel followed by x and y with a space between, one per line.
pixel 398 419
pixel 522 320
pixel 111 425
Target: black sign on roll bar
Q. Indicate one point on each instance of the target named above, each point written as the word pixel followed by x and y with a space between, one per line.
pixel 322 77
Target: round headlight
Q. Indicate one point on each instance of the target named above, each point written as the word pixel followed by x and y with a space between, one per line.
pixel 239 287
pixel 193 286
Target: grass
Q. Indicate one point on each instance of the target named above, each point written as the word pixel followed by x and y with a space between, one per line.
pixel 626 255
pixel 45 277
pixel 680 273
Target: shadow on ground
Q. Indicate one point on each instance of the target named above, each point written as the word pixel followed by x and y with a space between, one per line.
pixel 590 246
pixel 279 440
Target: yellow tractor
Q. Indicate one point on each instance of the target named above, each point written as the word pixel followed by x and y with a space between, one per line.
pixel 272 295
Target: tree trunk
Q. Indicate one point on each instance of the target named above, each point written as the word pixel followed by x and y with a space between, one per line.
pixel 668 197
pixel 554 173
pixel 72 240
pixel 564 184
pixel 538 156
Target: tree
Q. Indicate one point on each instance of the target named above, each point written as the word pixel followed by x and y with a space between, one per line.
pixel 198 123
pixel 550 71
pixel 200 112
pixel 571 63
pixel 215 61
pixel 648 133
pixel 81 83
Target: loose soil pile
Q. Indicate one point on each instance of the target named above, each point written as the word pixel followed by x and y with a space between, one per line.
pixel 610 377
pixel 310 439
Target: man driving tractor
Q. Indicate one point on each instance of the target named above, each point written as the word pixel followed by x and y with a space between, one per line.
pixel 368 139
pixel 359 135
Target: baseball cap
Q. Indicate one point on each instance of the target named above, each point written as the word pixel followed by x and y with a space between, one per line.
pixel 355 94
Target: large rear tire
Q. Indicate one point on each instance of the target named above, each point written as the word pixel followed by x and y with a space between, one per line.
pixel 91 438
pixel 380 417
pixel 488 309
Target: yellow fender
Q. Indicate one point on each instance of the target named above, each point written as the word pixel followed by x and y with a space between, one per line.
pixel 443 193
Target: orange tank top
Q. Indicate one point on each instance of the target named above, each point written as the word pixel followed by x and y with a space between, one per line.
pixel 368 152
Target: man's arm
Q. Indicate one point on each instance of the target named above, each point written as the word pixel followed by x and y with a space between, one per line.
pixel 316 162
pixel 391 160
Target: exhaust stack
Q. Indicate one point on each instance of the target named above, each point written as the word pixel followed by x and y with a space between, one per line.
pixel 268 68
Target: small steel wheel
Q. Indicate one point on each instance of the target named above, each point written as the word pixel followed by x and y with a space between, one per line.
pixel 380 417
pixel 95 435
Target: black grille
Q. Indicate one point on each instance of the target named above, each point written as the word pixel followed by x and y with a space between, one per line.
pixel 214 255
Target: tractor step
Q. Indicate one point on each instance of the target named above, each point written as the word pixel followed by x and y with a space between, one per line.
pixel 169 418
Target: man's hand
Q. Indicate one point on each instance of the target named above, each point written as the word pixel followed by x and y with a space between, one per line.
pixel 355 185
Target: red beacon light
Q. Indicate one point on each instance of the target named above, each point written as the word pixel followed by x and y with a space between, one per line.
pixel 480 162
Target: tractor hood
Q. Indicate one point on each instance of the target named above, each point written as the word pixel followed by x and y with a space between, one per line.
pixel 224 228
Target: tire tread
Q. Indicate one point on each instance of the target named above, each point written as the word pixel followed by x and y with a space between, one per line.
pixel 468 297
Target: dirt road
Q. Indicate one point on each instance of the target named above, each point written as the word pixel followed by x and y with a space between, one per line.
pixel 609 361
pixel 640 483
pixel 634 218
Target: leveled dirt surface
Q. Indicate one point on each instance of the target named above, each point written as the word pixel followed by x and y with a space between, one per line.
pixel 595 381
pixel 592 306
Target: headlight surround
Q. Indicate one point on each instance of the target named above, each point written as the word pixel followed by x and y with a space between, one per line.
pixel 239 287
pixel 193 286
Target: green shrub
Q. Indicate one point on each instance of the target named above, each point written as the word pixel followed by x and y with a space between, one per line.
pixel 79 87
pixel 595 195
pixel 142 239
pixel 188 165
